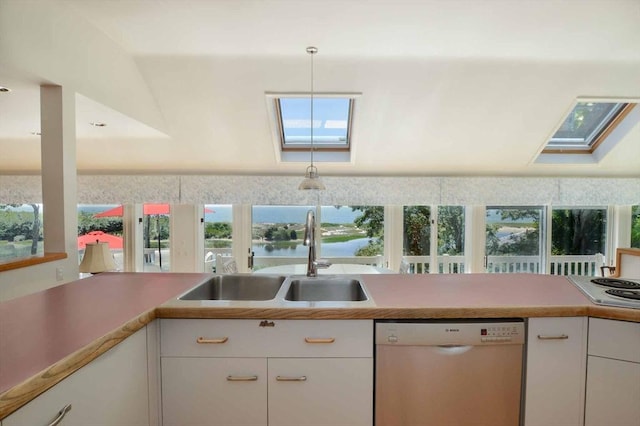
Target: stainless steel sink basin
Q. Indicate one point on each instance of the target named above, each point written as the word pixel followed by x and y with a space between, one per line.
pixel 236 287
pixel 321 289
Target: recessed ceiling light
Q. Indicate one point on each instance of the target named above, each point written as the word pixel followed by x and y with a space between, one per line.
pixel 4 89
pixel 98 124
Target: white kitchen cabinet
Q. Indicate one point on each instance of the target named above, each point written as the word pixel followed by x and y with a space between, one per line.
pixel 555 378
pixel 613 374
pixel 111 390
pixel 280 372
pixel 320 391
pixel 220 391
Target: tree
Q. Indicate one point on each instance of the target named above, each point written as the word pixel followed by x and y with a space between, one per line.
pixel 578 231
pixel 417 230
pixel 34 230
pixel 451 230
pixel 635 227
pixel 372 221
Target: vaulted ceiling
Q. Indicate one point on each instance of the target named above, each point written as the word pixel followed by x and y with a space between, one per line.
pixel 462 87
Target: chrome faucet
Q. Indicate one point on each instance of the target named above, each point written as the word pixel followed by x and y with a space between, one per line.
pixel 310 240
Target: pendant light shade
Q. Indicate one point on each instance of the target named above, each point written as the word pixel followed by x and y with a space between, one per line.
pixel 311 177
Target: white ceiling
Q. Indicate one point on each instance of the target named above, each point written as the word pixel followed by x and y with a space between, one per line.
pixel 449 87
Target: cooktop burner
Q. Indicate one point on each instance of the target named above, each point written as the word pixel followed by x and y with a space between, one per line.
pixel 627 294
pixel 616 283
pixel 622 292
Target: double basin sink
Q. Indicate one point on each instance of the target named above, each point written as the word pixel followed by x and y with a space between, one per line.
pixel 248 287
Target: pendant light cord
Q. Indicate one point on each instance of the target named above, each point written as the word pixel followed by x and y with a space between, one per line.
pixel 312 51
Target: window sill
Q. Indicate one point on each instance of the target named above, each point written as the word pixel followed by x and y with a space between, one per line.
pixel 30 261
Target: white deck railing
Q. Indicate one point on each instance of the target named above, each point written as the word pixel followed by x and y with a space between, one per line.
pixel 558 265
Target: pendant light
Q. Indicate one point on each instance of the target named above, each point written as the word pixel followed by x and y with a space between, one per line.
pixel 311 177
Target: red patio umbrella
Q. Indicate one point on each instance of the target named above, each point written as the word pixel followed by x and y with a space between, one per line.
pixel 114 241
pixel 148 209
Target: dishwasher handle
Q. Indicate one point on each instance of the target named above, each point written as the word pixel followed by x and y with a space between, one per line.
pixel 453 349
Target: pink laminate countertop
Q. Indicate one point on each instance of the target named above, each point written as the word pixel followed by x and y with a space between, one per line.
pixel 474 291
pixel 41 329
pixel 46 336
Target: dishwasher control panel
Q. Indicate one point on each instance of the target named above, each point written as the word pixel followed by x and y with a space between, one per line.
pixel 449 333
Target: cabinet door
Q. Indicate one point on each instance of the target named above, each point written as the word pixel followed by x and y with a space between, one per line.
pixel 613 393
pixel 556 368
pixel 320 391
pixel 111 390
pixel 214 391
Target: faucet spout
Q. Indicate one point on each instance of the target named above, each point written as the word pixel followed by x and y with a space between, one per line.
pixel 310 240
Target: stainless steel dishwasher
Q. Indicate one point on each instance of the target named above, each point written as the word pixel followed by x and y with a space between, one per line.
pixel 453 373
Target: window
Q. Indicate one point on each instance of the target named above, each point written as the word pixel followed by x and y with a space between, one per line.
pixel 513 240
pixel 277 235
pixel 218 230
pixel 362 232
pixel 577 236
pixel 635 226
pixel 352 234
pixel 156 232
pixel 292 127
pixel 331 123
pixel 586 126
pixel 451 231
pixel 448 225
pixel 589 132
pixel 20 231
pixel 102 223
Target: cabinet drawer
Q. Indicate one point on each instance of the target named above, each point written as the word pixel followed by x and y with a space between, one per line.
pixel 613 392
pixel 280 338
pixel 221 391
pixel 614 339
pixel 322 338
pixel 214 338
pixel 320 391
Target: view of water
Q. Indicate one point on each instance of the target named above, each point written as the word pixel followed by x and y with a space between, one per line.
pixel 343 249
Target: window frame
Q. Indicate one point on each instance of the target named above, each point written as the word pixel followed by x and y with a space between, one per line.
pixel 599 135
pixel 338 153
pixel 322 146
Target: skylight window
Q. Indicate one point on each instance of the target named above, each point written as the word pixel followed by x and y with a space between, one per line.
pixel 590 131
pixel 331 123
pixel 586 126
pixel 290 119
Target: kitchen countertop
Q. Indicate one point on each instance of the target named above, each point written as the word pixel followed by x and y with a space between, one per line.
pixel 46 336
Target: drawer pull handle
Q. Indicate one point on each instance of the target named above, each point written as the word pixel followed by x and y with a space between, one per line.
pixel 63 412
pixel 555 337
pixel 205 341
pixel 291 379
pixel 322 340
pixel 242 378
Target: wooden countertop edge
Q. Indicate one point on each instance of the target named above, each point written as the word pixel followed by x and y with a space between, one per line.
pixel 30 261
pixel 26 391
pixel 369 313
